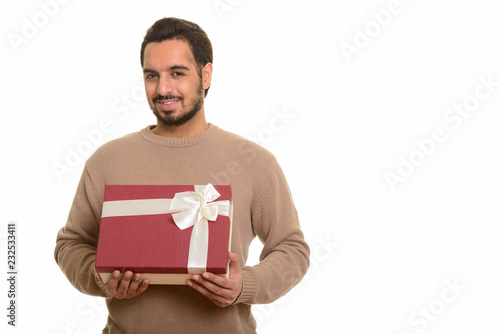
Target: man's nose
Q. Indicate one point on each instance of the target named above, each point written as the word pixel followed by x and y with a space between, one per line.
pixel 164 87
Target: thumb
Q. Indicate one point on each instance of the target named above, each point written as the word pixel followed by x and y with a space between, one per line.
pixel 234 263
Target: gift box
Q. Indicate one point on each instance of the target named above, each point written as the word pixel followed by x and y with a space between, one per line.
pixel 165 232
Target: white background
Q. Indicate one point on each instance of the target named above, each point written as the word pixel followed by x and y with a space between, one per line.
pixel 382 257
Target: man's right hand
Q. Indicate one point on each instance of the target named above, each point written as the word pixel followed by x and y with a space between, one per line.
pixel 129 286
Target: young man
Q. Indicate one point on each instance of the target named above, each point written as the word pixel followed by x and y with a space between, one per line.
pixel 182 148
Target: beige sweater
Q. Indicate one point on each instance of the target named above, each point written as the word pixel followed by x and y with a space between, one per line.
pixel 263 207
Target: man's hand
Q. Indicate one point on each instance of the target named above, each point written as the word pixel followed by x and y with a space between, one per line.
pixel 220 290
pixel 127 287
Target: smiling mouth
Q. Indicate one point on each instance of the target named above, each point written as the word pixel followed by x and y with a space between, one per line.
pixel 167 99
pixel 167 105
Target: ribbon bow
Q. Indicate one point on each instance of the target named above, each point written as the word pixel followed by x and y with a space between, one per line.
pixel 197 208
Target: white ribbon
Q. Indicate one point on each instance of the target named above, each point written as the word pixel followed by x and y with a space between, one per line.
pixel 197 208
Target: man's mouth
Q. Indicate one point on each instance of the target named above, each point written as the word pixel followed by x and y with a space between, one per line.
pixel 167 105
pixel 167 98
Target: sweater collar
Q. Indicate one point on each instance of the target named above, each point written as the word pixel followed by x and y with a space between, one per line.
pixel 178 142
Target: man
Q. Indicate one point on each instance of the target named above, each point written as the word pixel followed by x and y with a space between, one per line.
pixel 176 58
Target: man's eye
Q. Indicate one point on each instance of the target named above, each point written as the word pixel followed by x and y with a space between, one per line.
pixel 177 74
pixel 151 76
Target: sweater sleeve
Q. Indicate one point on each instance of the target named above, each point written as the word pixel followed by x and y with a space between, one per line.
pixel 284 259
pixel 76 242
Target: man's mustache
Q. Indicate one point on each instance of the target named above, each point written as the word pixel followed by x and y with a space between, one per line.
pixel 168 97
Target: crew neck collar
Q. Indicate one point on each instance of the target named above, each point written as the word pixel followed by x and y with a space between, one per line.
pixel 178 142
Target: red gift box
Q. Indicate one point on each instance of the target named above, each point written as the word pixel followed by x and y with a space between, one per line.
pixel 165 232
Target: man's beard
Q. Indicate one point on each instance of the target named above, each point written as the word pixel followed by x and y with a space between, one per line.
pixel 167 118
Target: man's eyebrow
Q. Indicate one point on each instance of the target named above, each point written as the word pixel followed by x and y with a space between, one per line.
pixel 179 67
pixel 148 70
pixel 173 67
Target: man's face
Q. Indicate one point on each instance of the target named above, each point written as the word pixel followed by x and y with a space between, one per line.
pixel 174 87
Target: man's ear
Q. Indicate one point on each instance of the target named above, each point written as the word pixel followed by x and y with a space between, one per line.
pixel 206 75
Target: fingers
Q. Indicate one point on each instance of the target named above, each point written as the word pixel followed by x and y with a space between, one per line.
pixel 124 285
pixel 128 286
pixel 223 293
pixel 113 283
pixel 218 295
pixel 220 290
pixel 134 283
pixel 142 287
pixel 234 260
pixel 216 284
pixel 234 265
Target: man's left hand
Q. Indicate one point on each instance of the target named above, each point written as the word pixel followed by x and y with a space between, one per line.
pixel 220 290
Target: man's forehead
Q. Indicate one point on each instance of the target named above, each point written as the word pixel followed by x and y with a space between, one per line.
pixel 161 54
